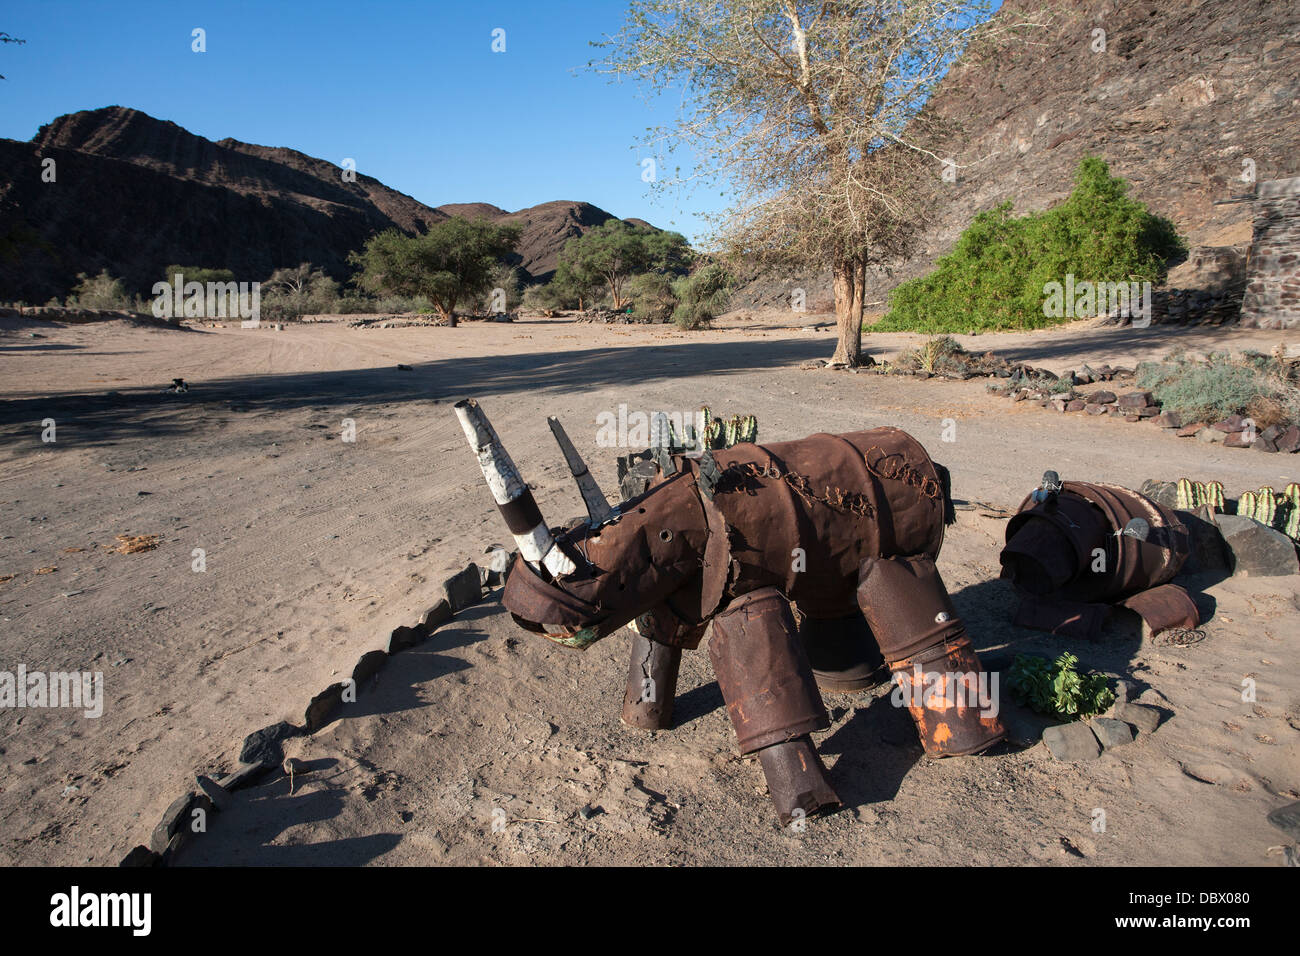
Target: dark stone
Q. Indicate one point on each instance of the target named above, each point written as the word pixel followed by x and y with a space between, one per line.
pixel 1191 431
pixel 1161 492
pixel 1102 397
pixel 1272 432
pixel 1111 732
pixel 1137 399
pixel 1208 552
pixel 1024 727
pixel 1257 551
pixel 1289 440
pixel 1169 420
pixel 464 589
pixel 404 637
pixel 1237 440
pixel 1142 718
pixel 435 617
pixel 1286 819
pixel 1093 409
pixel 215 792
pixel 244 776
pixel 1075 405
pixel 322 707
pixel 141 856
pixel 370 664
pixel 1074 741
pixel 1266 445
pixel 1229 425
pixel 173 819
pixel 1151 411
pixel 263 746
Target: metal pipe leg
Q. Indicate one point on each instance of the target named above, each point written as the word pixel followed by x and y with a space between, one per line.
pixel 651 684
pixel 772 700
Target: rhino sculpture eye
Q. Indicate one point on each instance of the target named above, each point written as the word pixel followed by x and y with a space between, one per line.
pixel 665 535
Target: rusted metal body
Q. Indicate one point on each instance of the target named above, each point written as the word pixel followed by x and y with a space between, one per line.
pixel 843 653
pixel 730 539
pixel 1071 560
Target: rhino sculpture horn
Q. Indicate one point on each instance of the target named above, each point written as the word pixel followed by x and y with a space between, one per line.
pixel 511 493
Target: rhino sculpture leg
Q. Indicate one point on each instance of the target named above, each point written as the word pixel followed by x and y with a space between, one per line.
pixel 953 702
pixel 772 700
pixel 651 684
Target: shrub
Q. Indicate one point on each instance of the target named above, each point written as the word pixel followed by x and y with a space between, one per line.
pixel 652 298
pixel 995 276
pixel 1210 390
pixel 701 296
pixel 1056 689
pixel 101 292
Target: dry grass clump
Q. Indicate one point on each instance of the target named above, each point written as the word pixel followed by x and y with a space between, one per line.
pixel 134 543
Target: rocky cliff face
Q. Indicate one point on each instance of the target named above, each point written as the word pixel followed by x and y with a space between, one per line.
pixel 1181 99
pixel 133 194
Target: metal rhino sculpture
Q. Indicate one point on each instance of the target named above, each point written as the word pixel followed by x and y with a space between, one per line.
pixel 845 527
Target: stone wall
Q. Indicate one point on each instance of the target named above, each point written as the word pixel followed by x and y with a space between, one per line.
pixel 1272 298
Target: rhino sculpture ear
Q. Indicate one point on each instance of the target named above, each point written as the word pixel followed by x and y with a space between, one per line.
pixel 511 493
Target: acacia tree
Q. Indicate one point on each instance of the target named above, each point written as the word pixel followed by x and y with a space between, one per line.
pixel 615 251
pixel 452 262
pixel 810 112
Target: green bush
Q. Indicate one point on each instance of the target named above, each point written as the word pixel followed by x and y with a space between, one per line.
pixel 996 275
pixel 1056 689
pixel 701 296
pixel 651 295
pixel 101 292
pixel 1211 390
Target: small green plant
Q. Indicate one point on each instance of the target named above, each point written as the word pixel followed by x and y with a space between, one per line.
pixel 1056 689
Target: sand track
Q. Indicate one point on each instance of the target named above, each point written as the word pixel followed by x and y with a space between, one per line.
pixel 316 548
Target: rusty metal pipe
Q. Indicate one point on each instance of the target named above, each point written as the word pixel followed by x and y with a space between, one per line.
pixel 796 780
pixel 651 684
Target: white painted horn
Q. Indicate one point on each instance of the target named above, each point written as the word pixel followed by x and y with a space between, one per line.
pixel 511 493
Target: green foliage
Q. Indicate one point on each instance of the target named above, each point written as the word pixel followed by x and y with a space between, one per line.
pixel 451 263
pixel 614 251
pixel 1220 386
pixel 1056 689
pixel 651 295
pixel 701 296
pixel 997 273
pixel 291 293
pixel 101 292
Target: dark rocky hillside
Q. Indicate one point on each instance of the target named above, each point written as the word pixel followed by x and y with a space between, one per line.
pixel 1183 94
pixel 133 194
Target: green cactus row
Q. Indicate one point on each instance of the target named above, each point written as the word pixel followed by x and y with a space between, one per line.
pixel 1193 494
pixel 1280 511
pixel 1273 510
pixel 720 433
pixel 1291 511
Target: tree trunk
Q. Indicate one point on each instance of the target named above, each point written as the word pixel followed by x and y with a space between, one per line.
pixel 849 280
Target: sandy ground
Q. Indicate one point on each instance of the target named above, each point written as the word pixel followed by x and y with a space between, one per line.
pixel 316 548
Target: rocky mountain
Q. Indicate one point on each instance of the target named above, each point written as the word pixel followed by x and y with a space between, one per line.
pixel 132 194
pixel 1181 99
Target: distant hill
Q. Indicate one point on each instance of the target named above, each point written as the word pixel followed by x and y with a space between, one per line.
pixel 133 194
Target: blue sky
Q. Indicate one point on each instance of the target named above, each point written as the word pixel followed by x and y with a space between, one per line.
pixel 411 90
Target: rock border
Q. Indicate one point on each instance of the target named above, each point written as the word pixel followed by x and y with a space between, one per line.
pixel 261 751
